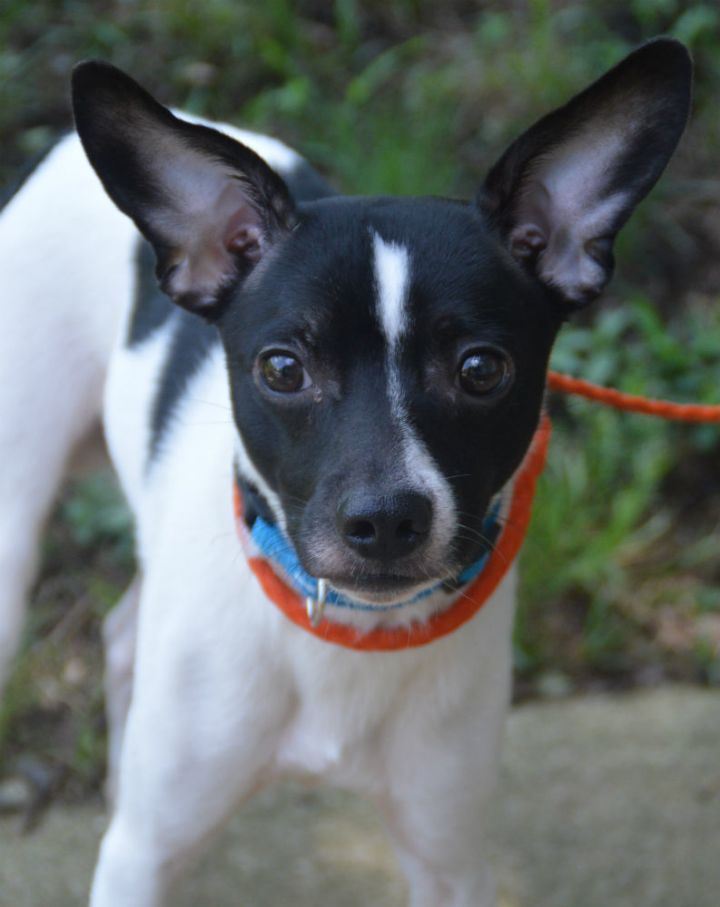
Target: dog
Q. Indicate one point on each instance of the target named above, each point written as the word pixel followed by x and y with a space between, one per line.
pixel 364 377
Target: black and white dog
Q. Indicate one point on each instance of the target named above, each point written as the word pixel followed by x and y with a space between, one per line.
pixel 371 372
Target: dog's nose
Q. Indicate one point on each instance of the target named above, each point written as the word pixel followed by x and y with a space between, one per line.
pixel 384 527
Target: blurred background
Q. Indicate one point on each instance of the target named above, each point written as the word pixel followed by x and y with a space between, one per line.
pixel 621 574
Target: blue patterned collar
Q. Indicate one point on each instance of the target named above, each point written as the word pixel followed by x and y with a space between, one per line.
pixel 273 545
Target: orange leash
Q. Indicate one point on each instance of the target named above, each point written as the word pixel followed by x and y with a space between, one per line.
pixel 664 409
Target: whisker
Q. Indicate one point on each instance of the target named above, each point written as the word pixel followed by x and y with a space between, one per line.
pixel 478 533
pixel 228 409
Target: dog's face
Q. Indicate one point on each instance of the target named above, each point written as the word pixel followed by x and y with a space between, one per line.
pixel 387 357
pixel 387 370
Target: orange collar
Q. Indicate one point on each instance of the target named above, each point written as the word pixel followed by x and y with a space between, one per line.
pixel 466 606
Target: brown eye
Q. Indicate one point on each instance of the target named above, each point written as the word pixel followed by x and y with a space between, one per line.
pixel 283 372
pixel 484 372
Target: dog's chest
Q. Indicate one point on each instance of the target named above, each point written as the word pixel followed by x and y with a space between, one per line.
pixel 353 712
pixel 339 721
pixel 347 709
pixel 313 748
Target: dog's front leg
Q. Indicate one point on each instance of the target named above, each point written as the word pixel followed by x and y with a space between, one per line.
pixel 119 638
pixel 204 721
pixel 456 884
pixel 442 762
pixel 436 813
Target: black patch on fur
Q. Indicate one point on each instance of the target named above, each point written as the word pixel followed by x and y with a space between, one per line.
pixel 192 342
pixel 254 503
pixel 151 308
pixel 306 184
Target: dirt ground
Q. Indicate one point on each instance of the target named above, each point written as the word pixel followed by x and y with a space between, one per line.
pixel 603 801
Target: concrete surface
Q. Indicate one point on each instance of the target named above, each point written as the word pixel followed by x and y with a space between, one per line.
pixel 604 802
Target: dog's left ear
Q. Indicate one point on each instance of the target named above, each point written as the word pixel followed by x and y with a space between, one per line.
pixel 561 192
pixel 208 204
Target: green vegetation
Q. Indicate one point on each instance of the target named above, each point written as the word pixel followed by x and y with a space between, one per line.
pixel 620 570
pixel 620 577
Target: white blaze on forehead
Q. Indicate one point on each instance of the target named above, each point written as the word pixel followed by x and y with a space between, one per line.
pixel 392 282
pixel 392 286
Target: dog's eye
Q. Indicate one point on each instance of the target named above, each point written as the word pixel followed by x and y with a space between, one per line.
pixel 283 373
pixel 485 372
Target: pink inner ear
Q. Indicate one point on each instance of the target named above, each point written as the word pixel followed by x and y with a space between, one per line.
pixel 243 236
pixel 239 225
pixel 527 240
pixel 213 226
pixel 205 261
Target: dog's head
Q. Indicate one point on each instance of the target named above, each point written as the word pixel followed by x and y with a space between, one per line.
pixel 387 356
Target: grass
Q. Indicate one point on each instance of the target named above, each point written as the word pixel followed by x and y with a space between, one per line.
pixel 614 508
pixel 619 578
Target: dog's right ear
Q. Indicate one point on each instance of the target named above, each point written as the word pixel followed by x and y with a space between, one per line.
pixel 561 192
pixel 210 206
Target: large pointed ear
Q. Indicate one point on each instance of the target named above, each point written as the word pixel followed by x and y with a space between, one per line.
pixel 210 206
pixel 561 192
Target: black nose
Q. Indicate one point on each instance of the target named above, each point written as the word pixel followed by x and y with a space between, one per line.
pixel 386 526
